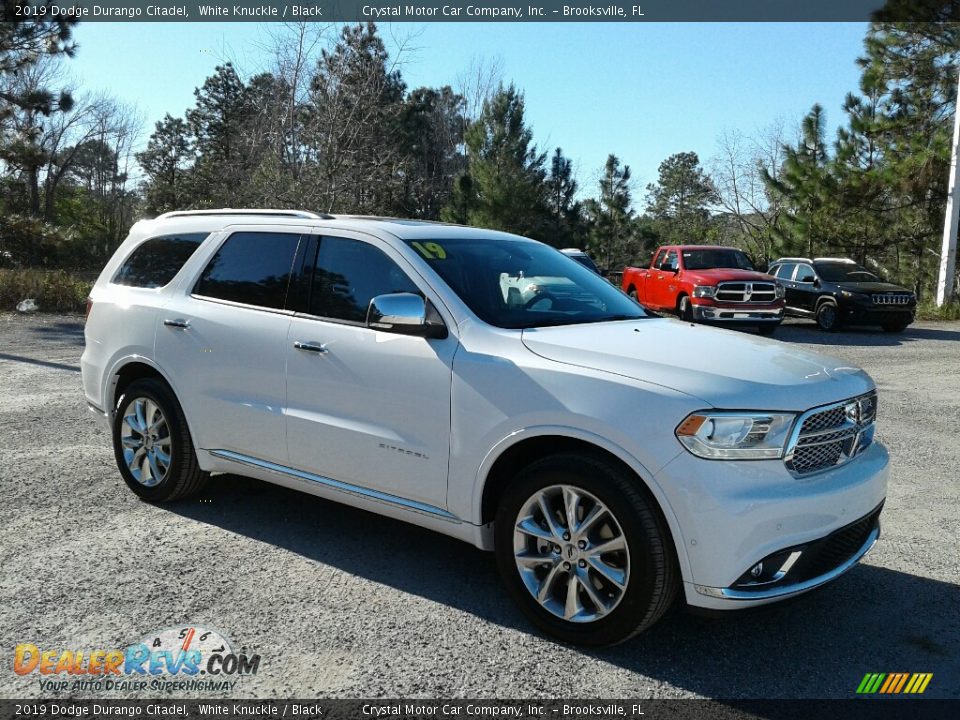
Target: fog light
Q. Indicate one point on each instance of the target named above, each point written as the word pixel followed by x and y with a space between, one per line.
pixel 757 570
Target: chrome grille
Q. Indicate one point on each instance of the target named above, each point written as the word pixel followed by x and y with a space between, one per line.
pixel 832 435
pixel 893 299
pixel 755 292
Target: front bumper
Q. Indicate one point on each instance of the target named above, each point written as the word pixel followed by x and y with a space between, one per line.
pixel 877 315
pixel 709 311
pixel 731 515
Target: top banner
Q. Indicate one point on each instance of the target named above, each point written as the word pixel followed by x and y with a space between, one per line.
pixel 635 11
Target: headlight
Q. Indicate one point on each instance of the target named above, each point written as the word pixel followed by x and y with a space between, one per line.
pixel 735 435
pixel 704 291
pixel 780 291
pixel 860 297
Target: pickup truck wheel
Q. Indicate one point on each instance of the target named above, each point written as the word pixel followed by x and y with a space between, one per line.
pixel 583 551
pixel 152 444
pixel 685 309
pixel 632 292
pixel 828 319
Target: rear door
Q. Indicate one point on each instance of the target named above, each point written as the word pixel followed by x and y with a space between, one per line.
pixel 222 341
pixel 367 407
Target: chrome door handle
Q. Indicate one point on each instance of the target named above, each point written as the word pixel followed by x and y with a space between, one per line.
pixel 310 347
pixel 177 323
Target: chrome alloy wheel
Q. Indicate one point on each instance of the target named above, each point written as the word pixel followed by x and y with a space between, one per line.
pixel 146 441
pixel 571 553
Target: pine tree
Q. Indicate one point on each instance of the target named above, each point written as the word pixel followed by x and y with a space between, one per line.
pixel 166 161
pixel 565 211
pixel 679 201
pixel 805 186
pixel 504 185
pixel 614 240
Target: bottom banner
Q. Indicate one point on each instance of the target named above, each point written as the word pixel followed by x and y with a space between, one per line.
pixel 460 709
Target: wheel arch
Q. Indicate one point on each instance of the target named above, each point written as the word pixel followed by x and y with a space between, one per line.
pixel 525 447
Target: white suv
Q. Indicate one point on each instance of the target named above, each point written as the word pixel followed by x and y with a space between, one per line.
pixel 611 459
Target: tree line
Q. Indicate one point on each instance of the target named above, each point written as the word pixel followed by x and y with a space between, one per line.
pixel 331 126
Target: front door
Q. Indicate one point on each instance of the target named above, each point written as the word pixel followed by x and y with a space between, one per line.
pixel 367 407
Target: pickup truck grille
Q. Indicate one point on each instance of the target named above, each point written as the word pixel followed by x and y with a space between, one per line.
pixel 832 435
pixel 892 299
pixel 754 292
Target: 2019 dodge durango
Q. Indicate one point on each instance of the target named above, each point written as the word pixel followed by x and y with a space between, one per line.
pixel 613 460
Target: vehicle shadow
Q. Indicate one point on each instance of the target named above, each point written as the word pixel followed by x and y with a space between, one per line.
pixel 61 332
pixel 809 333
pixel 821 645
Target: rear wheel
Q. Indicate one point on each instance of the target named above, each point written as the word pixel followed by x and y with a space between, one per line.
pixel 152 444
pixel 828 319
pixel 583 550
pixel 632 292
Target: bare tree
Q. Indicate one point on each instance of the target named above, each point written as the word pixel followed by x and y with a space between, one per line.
pixel 738 171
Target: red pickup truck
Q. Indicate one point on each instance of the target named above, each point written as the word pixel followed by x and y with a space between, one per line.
pixel 707 283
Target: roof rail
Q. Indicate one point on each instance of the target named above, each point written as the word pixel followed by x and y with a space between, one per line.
pixel 830 259
pixel 307 214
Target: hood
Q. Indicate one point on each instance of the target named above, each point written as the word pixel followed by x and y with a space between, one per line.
pixel 715 275
pixel 725 368
pixel 872 287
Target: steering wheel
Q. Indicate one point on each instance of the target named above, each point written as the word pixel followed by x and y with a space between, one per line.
pixel 540 297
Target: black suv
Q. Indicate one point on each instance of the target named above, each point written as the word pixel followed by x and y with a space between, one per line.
pixel 835 291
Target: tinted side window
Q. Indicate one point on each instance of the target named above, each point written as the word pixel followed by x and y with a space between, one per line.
pixel 154 263
pixel 672 261
pixel 252 268
pixel 785 271
pixel 805 274
pixel 348 274
pixel 659 259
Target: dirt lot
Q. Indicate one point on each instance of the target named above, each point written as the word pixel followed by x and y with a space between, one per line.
pixel 338 602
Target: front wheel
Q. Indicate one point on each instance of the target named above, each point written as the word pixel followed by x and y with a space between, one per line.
pixel 152 444
pixel 685 309
pixel 828 319
pixel 583 550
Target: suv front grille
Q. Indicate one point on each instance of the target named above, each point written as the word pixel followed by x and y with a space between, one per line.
pixel 892 299
pixel 832 435
pixel 755 292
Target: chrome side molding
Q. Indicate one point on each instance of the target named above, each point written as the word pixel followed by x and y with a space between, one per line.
pixel 348 488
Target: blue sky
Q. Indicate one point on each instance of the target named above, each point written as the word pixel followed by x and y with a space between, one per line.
pixel 642 91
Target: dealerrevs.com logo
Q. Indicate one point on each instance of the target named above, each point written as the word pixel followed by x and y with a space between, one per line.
pixel 185 658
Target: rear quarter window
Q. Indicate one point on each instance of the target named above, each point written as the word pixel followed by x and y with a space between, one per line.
pixel 154 263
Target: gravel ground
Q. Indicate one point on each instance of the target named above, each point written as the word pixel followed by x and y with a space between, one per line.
pixel 339 602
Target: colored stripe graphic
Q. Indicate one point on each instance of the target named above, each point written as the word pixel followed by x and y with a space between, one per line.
pixel 894 683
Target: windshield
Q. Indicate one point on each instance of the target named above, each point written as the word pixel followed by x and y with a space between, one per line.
pixel 523 283
pixel 845 272
pixel 719 258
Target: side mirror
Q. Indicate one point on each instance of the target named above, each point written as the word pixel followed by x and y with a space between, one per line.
pixel 405 314
pixel 816 282
pixel 667 267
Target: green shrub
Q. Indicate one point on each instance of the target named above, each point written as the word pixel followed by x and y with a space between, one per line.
pixel 54 290
pixel 929 311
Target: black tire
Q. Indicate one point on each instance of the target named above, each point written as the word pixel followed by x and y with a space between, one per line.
pixel 653 579
pixel 897 327
pixel 828 316
pixel 684 308
pixel 768 328
pixel 183 476
pixel 632 292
